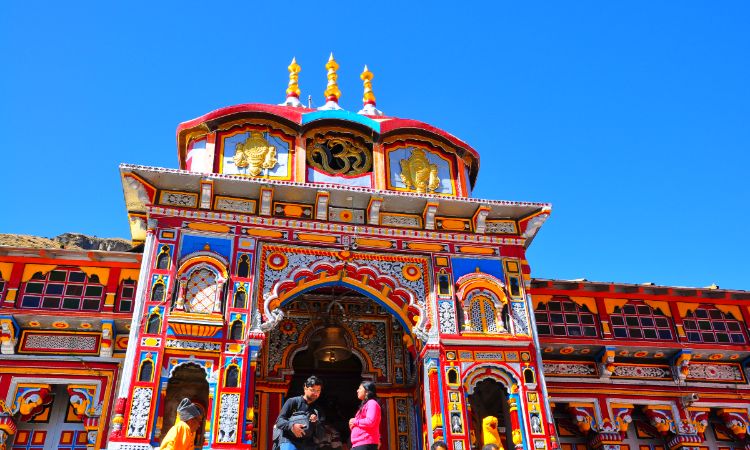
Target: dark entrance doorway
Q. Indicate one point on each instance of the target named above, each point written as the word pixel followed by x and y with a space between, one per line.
pixel 187 381
pixel 339 396
pixel 489 399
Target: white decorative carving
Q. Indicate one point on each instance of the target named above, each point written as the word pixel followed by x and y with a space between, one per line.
pixel 139 409
pixel 641 372
pixel 447 317
pixel 228 415
pixel 194 345
pixel 501 227
pixel 235 205
pixel 182 199
pixel 399 221
pixel 60 342
pixel 715 372
pixel 551 368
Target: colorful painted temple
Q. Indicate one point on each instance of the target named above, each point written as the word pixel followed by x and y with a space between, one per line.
pixel 294 241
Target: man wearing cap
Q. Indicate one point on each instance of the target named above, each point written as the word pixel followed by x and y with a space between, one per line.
pixel 182 435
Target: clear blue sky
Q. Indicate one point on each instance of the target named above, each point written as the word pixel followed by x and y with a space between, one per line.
pixel 631 118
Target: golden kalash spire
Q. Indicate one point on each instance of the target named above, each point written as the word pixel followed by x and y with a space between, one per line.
pixel 292 92
pixel 369 97
pixel 332 92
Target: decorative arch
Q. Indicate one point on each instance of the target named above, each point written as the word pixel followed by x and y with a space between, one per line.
pixel 201 276
pixel 197 363
pixel 483 371
pixel 383 289
pixel 483 299
pixel 303 343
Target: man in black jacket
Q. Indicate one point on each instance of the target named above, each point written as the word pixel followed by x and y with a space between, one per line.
pixel 300 419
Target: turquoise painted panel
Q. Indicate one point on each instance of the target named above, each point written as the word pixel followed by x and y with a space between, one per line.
pixel 341 115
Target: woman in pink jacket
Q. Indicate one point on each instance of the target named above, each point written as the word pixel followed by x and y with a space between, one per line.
pixel 365 425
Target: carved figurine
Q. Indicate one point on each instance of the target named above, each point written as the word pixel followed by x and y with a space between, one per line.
pixel 255 153
pixel 418 173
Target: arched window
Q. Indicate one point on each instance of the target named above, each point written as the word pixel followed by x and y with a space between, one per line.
pixel 711 325
pixel 236 332
pixel 147 370
pixel 243 268
pixel 637 320
pixel 528 376
pixel 562 317
pixel 66 288
pixel 157 292
pixel 154 324
pixel 240 298
pixel 126 295
pixel 483 314
pixel 233 376
pixel 162 261
pixel 201 291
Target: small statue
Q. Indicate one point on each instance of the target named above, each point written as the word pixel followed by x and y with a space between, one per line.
pixel 418 173
pixel 255 154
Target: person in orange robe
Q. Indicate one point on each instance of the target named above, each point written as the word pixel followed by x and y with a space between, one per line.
pixel 182 434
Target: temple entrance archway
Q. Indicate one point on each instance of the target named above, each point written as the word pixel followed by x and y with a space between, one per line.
pixel 490 398
pixel 380 348
pixel 186 381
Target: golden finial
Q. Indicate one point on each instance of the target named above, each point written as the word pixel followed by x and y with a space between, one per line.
pixel 369 96
pixel 332 92
pixel 367 76
pixel 292 92
pixel 294 70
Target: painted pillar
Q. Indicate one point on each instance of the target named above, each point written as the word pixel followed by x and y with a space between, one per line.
pixel 431 386
pixel 126 375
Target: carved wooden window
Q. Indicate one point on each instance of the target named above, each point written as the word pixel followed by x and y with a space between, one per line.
pixel 563 317
pixel 201 291
pixel 483 314
pixel 154 324
pixel 157 291
pixel 637 320
pixel 243 267
pixel 126 295
pixel 236 333
pixel 63 288
pixel 147 371
pixel 711 325
pixel 339 154
pixel 162 261
pixel 233 376
pixel 239 298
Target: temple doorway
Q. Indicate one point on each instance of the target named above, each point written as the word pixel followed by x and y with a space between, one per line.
pixel 490 398
pixel 187 381
pixel 339 395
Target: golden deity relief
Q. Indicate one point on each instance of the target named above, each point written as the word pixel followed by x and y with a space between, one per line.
pixel 255 153
pixel 418 173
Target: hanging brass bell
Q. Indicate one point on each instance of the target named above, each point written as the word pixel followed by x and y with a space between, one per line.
pixel 333 346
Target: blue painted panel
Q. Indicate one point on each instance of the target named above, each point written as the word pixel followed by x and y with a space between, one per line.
pixel 192 244
pixel 462 266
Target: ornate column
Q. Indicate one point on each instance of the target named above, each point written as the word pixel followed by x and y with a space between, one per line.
pixel 126 375
pixel 517 433
pixel 431 364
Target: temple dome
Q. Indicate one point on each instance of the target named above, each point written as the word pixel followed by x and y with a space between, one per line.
pixel 328 146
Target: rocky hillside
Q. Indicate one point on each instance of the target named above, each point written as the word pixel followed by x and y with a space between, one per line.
pixel 76 241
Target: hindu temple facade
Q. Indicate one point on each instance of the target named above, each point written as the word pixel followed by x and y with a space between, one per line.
pixel 294 241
